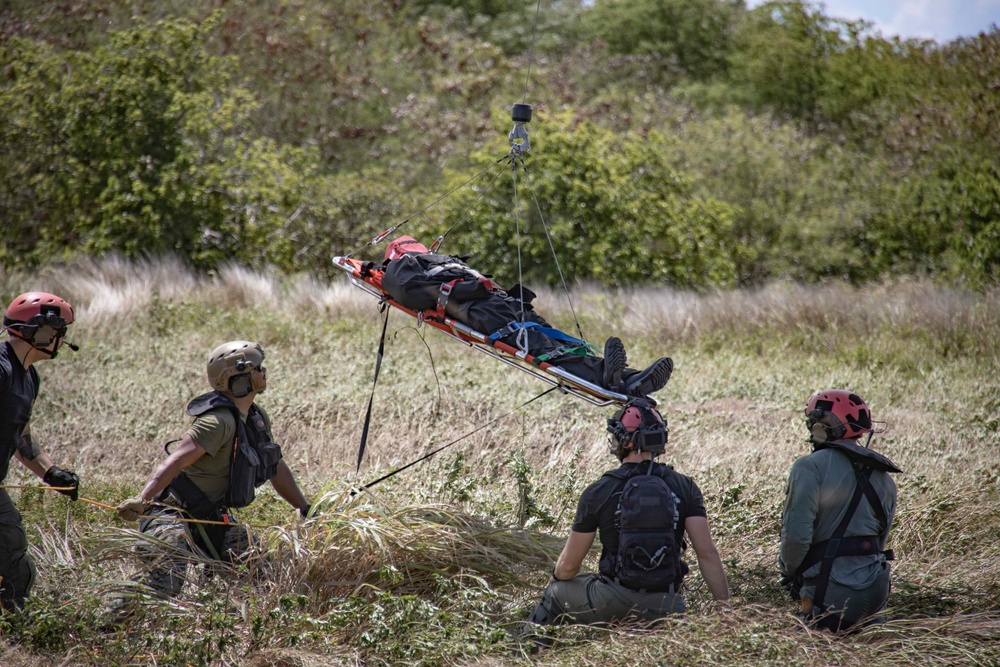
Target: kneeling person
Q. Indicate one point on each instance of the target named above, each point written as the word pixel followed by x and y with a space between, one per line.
pixel 642 510
pixel 839 506
pixel 203 477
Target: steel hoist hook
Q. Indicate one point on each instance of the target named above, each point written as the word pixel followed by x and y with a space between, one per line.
pixel 518 137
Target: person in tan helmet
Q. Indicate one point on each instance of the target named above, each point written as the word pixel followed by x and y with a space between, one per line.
pixel 226 453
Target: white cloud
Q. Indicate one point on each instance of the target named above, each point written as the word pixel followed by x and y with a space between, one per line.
pixel 943 20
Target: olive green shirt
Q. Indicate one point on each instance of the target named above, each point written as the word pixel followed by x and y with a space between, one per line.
pixel 819 491
pixel 215 432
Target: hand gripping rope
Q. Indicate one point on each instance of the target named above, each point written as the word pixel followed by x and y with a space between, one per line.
pixel 115 509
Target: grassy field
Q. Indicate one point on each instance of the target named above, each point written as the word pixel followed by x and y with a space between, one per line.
pixel 434 566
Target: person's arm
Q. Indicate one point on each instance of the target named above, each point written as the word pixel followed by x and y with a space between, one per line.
pixel 799 516
pixel 31 455
pixel 34 459
pixel 184 455
pixel 284 483
pixel 709 561
pixel 574 551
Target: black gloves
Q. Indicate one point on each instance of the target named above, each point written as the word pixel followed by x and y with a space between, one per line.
pixel 792 584
pixel 56 476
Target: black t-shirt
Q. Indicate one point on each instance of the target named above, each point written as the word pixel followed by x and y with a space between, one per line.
pixel 599 502
pixel 18 390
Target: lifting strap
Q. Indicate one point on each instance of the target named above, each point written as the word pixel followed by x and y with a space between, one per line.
pixel 554 334
pixel 371 398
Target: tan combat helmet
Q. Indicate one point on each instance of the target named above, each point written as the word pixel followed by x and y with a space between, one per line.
pixel 230 366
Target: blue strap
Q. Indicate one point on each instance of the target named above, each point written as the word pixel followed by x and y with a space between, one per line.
pixel 554 334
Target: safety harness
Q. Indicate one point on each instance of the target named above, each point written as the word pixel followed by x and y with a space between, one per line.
pixel 864 461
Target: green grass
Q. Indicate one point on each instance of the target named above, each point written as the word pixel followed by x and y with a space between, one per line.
pixel 436 565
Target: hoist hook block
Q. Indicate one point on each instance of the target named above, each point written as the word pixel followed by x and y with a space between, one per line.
pixel 521 113
pixel 518 137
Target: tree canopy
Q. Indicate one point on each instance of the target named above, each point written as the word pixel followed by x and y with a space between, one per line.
pixel 696 143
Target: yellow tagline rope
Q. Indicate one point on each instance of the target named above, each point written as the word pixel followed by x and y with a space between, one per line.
pixel 115 509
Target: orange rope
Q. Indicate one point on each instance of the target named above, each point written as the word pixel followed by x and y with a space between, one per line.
pixel 115 509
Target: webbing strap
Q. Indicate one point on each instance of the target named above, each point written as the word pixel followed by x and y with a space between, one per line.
pixel 554 334
pixel 563 350
pixel 445 294
pixel 453 442
pixel 857 545
pixel 371 398
pixel 876 503
pixel 833 545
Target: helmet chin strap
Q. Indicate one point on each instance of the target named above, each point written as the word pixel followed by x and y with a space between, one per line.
pixel 54 352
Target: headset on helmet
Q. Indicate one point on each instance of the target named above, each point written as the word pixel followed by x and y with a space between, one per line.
pixel 837 414
pixel 230 366
pixel 29 313
pixel 637 426
pixel 403 245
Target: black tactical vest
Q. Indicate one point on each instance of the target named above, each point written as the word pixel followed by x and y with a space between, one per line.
pixel 255 455
pixel 18 390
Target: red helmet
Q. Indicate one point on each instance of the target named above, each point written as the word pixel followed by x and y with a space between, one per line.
pixel 29 312
pixel 403 245
pixel 837 414
pixel 637 426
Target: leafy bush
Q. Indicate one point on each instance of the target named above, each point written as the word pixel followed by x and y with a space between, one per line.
pixel 143 145
pixel 614 209
pixel 696 34
pixel 799 200
pixel 945 223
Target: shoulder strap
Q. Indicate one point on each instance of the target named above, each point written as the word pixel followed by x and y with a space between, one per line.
pixel 7 376
pixel 833 545
pixel 875 502
pixel 36 380
pixel 619 474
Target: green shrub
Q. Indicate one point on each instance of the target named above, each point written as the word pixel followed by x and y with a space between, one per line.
pixel 142 146
pixel 614 209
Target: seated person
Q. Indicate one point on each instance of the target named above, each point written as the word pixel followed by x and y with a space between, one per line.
pixel 421 280
pixel 642 512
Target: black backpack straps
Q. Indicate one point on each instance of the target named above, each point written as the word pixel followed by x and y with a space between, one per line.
pixel 861 473
pixel 617 474
pixel 876 503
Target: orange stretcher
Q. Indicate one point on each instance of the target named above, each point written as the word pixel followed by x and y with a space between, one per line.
pixel 368 277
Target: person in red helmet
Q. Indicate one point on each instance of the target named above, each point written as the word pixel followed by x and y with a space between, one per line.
pixel 643 512
pixel 839 506
pixel 36 325
pixel 420 280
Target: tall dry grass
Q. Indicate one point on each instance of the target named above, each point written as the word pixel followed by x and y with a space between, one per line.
pixel 433 567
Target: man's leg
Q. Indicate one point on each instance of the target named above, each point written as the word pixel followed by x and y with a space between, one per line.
pixel 241 547
pixel 615 361
pixel 649 380
pixel 848 608
pixel 591 599
pixel 16 567
pixel 168 562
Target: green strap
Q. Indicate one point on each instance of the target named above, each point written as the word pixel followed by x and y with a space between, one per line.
pixel 204 537
pixel 585 350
